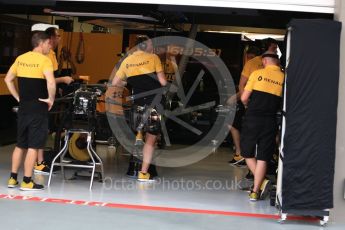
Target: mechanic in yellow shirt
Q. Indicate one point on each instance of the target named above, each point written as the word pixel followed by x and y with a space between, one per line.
pixel 262 96
pixel 41 167
pixel 143 71
pixel 271 45
pixel 36 95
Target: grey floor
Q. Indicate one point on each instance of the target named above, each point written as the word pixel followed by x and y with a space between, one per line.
pixel 210 184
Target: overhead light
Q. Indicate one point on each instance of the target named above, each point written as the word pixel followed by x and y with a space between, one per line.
pixel 223 32
pixel 257 36
pixel 249 36
pixel 101 15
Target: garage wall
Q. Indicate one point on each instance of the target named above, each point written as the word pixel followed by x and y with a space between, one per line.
pixel 100 53
pixel 320 6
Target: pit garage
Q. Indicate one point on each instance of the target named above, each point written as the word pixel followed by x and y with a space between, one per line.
pixel 94 152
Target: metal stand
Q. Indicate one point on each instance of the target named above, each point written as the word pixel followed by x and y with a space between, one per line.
pixel 92 153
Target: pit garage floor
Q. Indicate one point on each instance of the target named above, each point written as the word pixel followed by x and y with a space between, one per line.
pixel 205 195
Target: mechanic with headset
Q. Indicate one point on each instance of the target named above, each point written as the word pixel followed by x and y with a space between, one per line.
pixel 143 72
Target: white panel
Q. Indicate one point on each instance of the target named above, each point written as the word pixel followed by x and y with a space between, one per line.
pixel 318 6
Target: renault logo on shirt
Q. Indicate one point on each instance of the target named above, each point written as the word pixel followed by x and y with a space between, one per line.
pixel 27 65
pixel 137 64
pixel 273 81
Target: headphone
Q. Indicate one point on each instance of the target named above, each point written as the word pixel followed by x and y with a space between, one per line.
pixel 141 42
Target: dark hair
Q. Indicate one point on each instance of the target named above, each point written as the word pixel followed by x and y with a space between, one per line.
pixel 51 31
pixel 38 37
pixel 140 42
pixel 253 50
pixel 266 43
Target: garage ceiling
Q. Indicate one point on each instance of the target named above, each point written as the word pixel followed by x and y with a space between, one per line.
pixel 175 16
pixel 317 6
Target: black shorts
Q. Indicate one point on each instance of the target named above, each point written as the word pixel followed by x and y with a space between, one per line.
pixel 258 136
pixel 32 130
pixel 240 111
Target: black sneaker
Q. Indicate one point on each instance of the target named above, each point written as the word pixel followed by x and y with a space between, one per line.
pixel 254 196
pixel 42 168
pixel 31 186
pixel 12 183
pixel 236 160
pixel 145 177
pixel 241 164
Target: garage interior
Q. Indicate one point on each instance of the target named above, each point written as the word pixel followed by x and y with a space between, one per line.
pixel 217 196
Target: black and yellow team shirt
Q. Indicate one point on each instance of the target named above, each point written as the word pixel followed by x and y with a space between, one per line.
pixel 140 70
pixel 266 86
pixel 251 66
pixel 32 84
